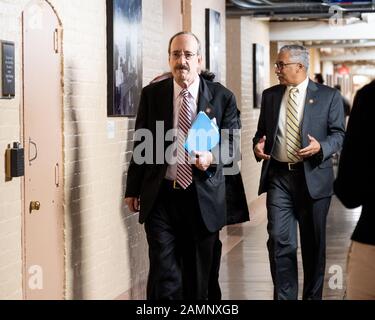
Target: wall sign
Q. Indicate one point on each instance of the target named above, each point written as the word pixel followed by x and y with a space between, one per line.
pixel 7 70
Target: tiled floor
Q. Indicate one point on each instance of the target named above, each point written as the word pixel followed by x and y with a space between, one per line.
pixel 245 275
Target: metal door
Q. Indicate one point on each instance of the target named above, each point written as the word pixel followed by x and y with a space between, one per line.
pixel 43 241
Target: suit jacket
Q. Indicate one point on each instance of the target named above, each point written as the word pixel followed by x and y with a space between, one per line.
pixel 144 180
pixel 323 118
pixel 237 208
pixel 354 185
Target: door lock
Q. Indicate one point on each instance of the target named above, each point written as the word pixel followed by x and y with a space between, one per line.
pixel 34 205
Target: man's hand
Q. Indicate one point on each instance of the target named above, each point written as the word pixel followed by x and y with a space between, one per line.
pixel 203 159
pixel 132 203
pixel 311 149
pixel 259 149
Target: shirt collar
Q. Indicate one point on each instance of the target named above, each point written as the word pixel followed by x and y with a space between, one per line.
pixel 193 89
pixel 302 86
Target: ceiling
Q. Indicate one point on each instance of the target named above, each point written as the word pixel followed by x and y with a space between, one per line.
pixel 359 53
pixel 279 10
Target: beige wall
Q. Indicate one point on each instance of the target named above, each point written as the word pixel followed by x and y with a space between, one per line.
pixel 172 23
pixel 273 58
pixel 314 62
pixel 241 34
pixel 197 9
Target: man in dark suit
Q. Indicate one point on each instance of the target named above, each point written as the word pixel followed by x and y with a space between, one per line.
pixel 301 125
pixel 182 204
pixel 354 186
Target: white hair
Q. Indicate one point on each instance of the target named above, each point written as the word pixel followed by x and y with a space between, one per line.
pixel 297 54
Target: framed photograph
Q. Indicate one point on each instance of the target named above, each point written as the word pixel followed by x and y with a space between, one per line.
pixel 213 42
pixel 258 73
pixel 124 56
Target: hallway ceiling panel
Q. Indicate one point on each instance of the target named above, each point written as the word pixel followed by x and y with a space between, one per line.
pixel 277 10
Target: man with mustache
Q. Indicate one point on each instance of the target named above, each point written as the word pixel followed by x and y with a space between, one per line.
pixel 182 203
pixel 301 125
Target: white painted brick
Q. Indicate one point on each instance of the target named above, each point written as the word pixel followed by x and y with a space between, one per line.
pixel 106 249
pixel 10 191
pixel 239 66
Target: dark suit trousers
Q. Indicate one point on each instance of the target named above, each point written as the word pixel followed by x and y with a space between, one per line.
pixel 288 205
pixel 181 249
pixel 214 291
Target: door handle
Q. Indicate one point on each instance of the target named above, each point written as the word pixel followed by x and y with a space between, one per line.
pixel 34 205
pixel 31 142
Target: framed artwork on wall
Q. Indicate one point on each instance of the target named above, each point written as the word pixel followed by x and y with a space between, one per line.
pixel 258 73
pixel 124 56
pixel 213 42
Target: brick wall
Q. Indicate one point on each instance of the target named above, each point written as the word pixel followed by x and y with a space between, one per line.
pixel 241 34
pixel 10 191
pixel 106 251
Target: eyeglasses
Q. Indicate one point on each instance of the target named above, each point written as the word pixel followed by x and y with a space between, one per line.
pixel 178 54
pixel 281 65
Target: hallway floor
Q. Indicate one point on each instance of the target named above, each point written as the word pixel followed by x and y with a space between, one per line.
pixel 245 274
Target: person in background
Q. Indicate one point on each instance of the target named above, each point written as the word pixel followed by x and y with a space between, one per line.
pixel 346 106
pixel 182 203
pixel 354 186
pixel 301 125
pixel 318 78
pixel 345 102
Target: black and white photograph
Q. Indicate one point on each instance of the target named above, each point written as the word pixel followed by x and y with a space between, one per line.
pixel 213 42
pixel 124 56
pixel 258 73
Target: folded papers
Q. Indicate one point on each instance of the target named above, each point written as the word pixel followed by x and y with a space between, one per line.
pixel 203 134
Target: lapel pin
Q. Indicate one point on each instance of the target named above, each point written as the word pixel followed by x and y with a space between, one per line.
pixel 311 101
pixel 208 110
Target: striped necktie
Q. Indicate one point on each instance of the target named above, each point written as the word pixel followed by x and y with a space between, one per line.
pixel 293 136
pixel 184 170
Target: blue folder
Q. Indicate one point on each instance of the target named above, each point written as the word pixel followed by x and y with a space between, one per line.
pixel 203 134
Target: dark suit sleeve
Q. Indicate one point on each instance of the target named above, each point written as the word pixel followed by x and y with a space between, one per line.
pixel 349 183
pixel 261 129
pixel 135 170
pixel 336 128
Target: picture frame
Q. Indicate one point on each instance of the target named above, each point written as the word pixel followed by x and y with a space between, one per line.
pixel 258 74
pixel 7 70
pixel 213 42
pixel 124 57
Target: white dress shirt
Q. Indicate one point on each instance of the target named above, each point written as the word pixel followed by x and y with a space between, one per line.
pixel 279 152
pixel 177 103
